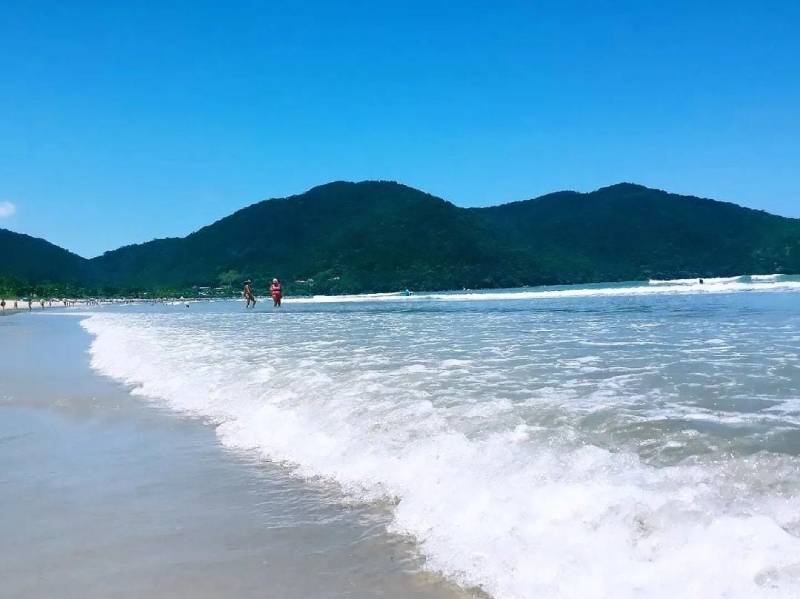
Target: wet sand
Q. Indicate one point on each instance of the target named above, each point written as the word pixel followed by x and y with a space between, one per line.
pixel 105 495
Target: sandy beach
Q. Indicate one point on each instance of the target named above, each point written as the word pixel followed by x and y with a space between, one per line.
pixel 9 307
pixel 22 305
pixel 398 448
pixel 36 306
pixel 106 496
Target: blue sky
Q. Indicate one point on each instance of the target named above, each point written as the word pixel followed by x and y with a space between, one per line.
pixel 125 121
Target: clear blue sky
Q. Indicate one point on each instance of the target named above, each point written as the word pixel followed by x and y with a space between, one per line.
pixel 124 121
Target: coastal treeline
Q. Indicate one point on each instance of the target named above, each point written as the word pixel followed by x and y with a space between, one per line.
pixel 384 236
pixel 17 288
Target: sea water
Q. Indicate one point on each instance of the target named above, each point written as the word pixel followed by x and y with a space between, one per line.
pixel 104 495
pixel 634 440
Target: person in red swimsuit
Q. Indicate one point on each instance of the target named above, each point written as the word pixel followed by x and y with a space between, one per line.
pixel 276 292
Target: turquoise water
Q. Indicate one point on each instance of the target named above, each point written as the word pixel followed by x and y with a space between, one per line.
pixel 622 441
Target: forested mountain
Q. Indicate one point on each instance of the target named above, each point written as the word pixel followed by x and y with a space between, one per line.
pixel 26 260
pixel 384 236
pixel 344 236
pixel 631 232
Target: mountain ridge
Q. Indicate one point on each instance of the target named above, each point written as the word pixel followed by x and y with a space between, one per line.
pixel 48 261
pixel 384 235
pixel 560 193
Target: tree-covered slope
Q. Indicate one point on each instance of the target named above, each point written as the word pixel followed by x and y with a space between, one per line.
pixel 32 259
pixel 345 236
pixel 382 236
pixel 627 232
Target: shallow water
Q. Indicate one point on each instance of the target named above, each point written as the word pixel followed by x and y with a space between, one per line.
pixel 545 443
pixel 104 496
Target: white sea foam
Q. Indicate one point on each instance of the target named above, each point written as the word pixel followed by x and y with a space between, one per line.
pixel 757 283
pixel 708 281
pixel 767 278
pixel 493 470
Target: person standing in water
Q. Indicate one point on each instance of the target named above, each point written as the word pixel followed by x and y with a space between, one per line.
pixel 276 292
pixel 248 293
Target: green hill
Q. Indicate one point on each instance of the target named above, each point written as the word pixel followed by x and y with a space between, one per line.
pixel 631 232
pixel 28 262
pixel 384 236
pixel 345 236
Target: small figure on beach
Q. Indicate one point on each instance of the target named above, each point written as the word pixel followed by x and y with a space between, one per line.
pixel 30 304
pixel 276 292
pixel 248 293
pixel 3 305
pixel 15 304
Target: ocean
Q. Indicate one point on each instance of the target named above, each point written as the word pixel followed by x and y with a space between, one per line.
pixel 626 440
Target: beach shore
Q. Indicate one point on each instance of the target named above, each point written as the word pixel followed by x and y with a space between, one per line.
pixel 9 308
pixel 22 305
pixel 107 495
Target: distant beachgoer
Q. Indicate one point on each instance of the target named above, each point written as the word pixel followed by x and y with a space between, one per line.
pixel 3 305
pixel 30 304
pixel 701 281
pixel 15 304
pixel 248 293
pixel 276 292
pixel 41 303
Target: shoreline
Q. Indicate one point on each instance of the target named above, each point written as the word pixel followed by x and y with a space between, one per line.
pixel 327 433
pixel 108 494
pixel 22 306
pixel 710 285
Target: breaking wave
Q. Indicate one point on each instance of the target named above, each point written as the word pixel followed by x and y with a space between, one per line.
pixel 499 437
